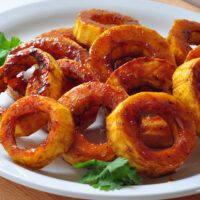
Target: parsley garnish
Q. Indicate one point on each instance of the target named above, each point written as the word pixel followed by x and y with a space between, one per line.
pixel 6 46
pixel 109 175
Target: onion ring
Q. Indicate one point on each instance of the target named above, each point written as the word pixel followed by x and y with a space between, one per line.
pixel 122 43
pixel 186 87
pixel 182 34
pixel 58 47
pixel 91 23
pixel 143 73
pixel 79 100
pixel 46 80
pixel 123 126
pixel 59 138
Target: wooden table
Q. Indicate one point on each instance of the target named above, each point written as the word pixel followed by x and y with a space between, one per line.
pixel 9 190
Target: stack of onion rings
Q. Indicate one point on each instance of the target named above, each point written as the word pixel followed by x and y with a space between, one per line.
pixel 154 131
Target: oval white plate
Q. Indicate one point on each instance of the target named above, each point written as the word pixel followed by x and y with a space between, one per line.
pixel 59 178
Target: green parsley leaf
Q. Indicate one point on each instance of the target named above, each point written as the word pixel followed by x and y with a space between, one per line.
pixel 6 46
pixel 3 55
pixel 14 42
pixel 91 163
pixel 109 175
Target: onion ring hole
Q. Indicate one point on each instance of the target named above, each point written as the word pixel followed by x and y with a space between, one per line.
pixel 109 19
pixel 96 132
pixel 31 134
pixel 129 52
pixel 155 132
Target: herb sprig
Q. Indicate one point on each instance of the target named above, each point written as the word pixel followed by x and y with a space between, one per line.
pixel 6 45
pixel 109 175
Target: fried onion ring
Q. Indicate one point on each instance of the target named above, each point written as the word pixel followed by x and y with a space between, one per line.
pixel 91 23
pixel 59 138
pixel 183 34
pixel 123 126
pixel 195 53
pixel 149 74
pixel 79 100
pixel 58 47
pixel 46 80
pixel 122 43
pixel 75 73
pixel 186 87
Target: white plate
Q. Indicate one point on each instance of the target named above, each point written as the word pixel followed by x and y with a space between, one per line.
pixel 59 178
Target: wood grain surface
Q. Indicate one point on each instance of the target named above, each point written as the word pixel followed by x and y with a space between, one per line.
pixel 12 191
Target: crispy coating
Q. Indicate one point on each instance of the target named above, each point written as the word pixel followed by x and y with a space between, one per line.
pixel 91 23
pixel 186 87
pixel 183 34
pixel 46 80
pixel 2 110
pixel 58 47
pixel 122 43
pixel 75 73
pixel 124 130
pixel 60 135
pixel 194 53
pixel 79 100
pixel 60 32
pixel 143 74
pixel 3 85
